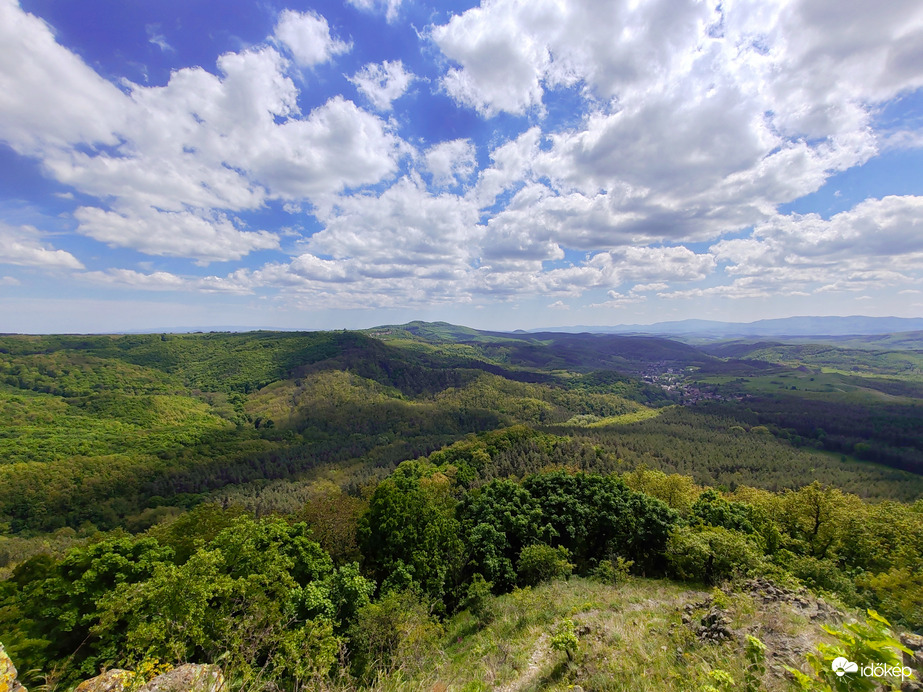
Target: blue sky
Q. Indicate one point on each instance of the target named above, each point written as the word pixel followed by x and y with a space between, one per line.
pixel 508 164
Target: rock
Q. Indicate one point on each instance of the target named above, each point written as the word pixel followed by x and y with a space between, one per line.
pixel 911 686
pixel 8 681
pixel 115 680
pixel 714 626
pixel 914 642
pixel 190 677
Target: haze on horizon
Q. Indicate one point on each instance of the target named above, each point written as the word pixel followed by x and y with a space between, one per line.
pixel 503 165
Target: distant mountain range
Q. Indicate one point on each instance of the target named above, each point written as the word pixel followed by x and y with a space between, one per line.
pixel 788 326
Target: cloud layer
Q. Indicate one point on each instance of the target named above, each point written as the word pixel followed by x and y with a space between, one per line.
pixel 623 152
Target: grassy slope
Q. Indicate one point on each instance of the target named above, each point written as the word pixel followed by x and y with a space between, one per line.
pixel 631 639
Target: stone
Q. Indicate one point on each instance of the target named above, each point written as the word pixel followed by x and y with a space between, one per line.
pixel 115 680
pixel 714 626
pixel 914 642
pixel 190 677
pixel 8 681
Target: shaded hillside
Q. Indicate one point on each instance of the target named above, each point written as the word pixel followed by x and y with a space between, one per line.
pixel 551 350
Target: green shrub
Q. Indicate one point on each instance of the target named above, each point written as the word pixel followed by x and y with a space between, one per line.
pixel 821 575
pixel 756 664
pixel 395 633
pixel 564 638
pixel 710 554
pixel 480 601
pixel 539 562
pixel 613 571
pixel 869 644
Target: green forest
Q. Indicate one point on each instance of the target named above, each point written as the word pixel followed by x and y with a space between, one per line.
pixel 380 509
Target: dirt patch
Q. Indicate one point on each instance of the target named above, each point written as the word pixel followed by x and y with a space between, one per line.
pixel 537 659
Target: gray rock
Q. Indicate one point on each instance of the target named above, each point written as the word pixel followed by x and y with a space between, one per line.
pixel 8 681
pixel 187 678
pixel 115 680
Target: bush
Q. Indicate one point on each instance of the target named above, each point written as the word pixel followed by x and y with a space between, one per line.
pixel 820 575
pixel 540 562
pixel 395 633
pixel 564 638
pixel 480 601
pixel 870 644
pixel 612 572
pixel 710 554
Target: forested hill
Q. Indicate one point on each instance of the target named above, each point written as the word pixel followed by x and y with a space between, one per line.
pixel 123 430
pixel 100 428
pixel 551 350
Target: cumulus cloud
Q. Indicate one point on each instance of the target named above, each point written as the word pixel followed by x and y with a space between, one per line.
pixel 450 162
pixel 878 242
pixel 307 36
pixel 48 95
pixel 702 117
pixel 173 163
pixel 510 51
pixel 653 264
pixel 238 282
pixel 173 233
pixel 389 8
pixel 697 120
pixel 22 246
pixel 403 230
pixel 383 83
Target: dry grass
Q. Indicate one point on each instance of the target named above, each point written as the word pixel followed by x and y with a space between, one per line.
pixel 632 638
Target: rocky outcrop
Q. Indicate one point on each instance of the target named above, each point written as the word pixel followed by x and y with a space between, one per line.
pixel 914 660
pixel 115 680
pixel 187 678
pixel 802 600
pixel 190 677
pixel 8 681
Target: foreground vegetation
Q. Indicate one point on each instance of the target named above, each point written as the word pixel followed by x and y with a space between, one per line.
pixel 353 593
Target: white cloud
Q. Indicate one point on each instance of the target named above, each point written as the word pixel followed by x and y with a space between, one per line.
pixel 876 243
pixel 307 37
pixel 9 281
pixel 698 119
pixel 21 246
pixel 647 288
pixel 207 238
pixel 619 300
pixel 48 96
pixel 155 37
pixel 510 164
pixel 405 230
pixel 390 8
pixel 180 159
pixel 451 162
pixel 653 264
pixel 509 51
pixel 707 115
pixel 236 283
pixel 383 83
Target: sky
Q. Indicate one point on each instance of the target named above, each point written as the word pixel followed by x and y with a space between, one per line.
pixel 503 165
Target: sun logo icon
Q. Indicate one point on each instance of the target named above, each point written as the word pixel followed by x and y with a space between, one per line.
pixel 841 666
